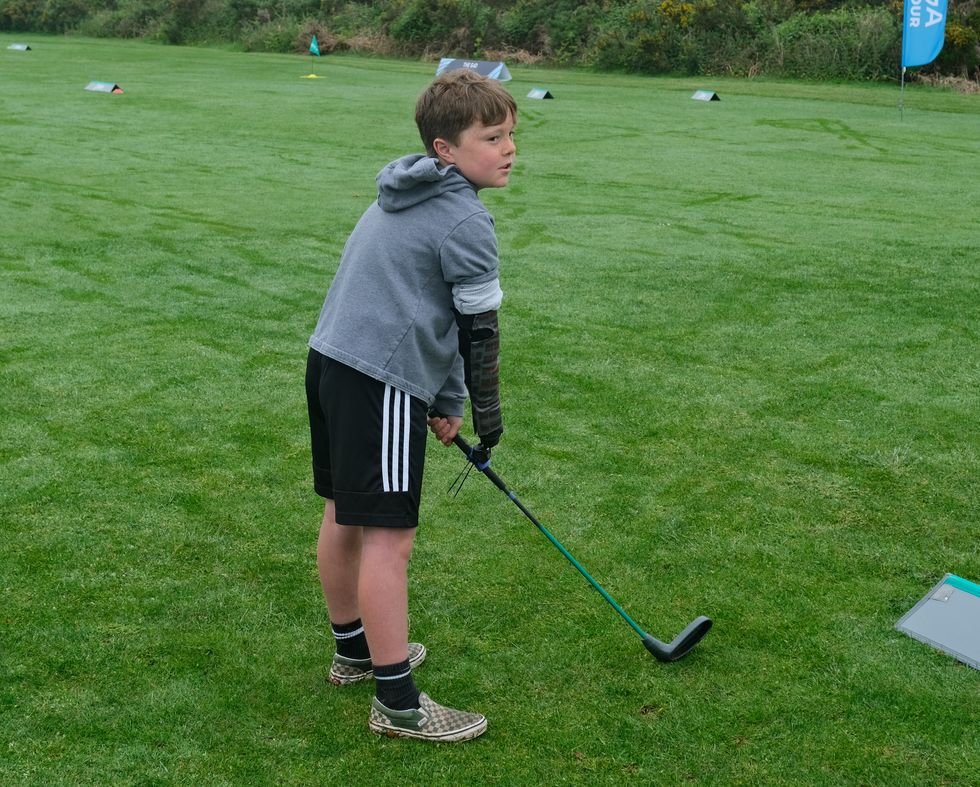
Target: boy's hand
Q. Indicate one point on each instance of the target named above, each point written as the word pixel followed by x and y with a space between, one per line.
pixel 444 427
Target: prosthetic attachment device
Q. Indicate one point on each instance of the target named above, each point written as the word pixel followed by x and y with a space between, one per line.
pixel 479 344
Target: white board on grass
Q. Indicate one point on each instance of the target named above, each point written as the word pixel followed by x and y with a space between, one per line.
pixel 495 69
pixel 948 618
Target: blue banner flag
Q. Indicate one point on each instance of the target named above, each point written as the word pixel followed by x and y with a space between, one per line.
pixel 923 31
pixel 315 50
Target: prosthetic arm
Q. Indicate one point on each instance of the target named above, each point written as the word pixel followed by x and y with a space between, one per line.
pixel 479 344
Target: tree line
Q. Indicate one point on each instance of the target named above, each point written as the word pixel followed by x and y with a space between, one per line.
pixel 815 39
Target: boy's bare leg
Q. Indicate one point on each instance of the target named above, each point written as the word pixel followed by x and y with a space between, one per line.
pixel 338 557
pixel 383 591
pixel 364 574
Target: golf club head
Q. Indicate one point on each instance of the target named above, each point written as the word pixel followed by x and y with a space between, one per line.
pixel 682 643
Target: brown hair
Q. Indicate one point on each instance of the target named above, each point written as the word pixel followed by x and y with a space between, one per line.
pixel 456 100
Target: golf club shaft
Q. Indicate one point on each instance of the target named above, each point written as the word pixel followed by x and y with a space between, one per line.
pixel 498 482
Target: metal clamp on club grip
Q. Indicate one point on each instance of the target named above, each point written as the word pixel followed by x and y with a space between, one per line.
pixel 479 454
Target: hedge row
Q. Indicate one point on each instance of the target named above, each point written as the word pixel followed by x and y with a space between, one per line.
pixel 819 39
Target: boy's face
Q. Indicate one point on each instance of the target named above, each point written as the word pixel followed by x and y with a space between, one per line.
pixel 484 154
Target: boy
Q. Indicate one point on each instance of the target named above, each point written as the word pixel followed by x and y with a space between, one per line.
pixel 410 318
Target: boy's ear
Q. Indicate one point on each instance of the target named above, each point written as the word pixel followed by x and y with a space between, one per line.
pixel 443 149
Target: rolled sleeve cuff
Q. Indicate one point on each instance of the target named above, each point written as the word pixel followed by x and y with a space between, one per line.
pixel 478 298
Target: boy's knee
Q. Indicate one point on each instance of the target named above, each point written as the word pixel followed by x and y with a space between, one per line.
pixel 395 542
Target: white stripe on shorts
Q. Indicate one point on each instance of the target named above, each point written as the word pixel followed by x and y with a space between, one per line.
pixel 384 440
pixel 392 450
pixel 395 430
pixel 406 420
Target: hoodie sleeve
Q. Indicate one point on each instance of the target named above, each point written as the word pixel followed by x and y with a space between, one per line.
pixel 451 398
pixel 469 264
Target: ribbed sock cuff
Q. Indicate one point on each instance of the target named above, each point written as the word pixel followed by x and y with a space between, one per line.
pixel 350 639
pixel 395 687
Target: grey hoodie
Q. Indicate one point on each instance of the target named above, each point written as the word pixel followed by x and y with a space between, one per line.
pixel 426 245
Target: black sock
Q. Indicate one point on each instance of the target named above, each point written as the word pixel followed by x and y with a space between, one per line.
pixel 351 641
pixel 394 686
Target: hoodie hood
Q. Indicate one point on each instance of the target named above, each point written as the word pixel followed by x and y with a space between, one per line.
pixel 416 178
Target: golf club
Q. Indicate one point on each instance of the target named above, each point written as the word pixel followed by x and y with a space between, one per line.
pixel 679 647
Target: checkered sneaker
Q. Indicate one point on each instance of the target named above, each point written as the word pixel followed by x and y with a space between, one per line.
pixel 430 722
pixel 344 670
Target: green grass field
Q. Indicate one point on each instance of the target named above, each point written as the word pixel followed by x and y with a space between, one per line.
pixel 741 378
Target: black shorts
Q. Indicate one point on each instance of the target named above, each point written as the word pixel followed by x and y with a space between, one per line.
pixel 368 441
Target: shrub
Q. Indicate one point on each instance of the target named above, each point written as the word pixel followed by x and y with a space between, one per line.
pixel 326 41
pixel 720 39
pixel 459 26
pixel 179 20
pixel 59 16
pixel 354 19
pixel 21 14
pixel 100 24
pixel 562 30
pixel 276 35
pixel 241 12
pixel 135 21
pixel 858 43
pixel 646 37
pixel 960 54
